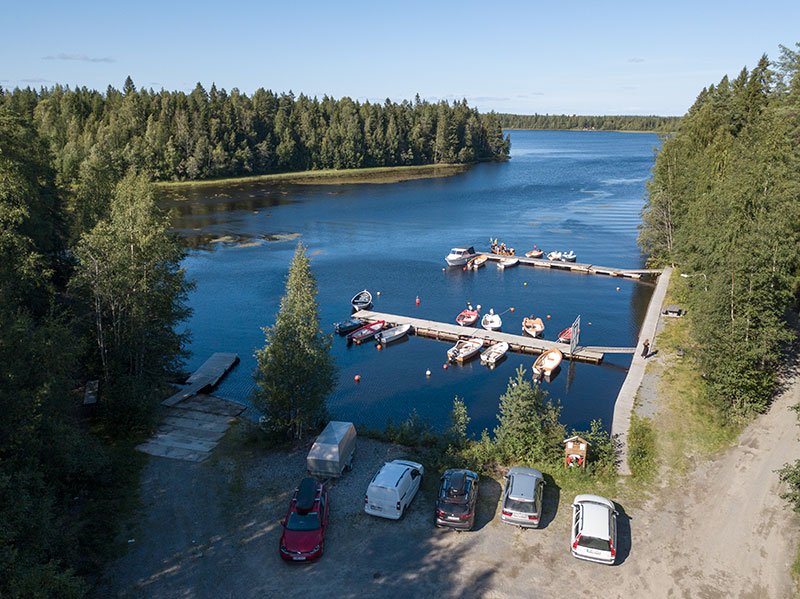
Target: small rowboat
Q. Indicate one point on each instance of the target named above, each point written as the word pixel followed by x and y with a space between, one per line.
pixel 534 254
pixel 491 321
pixel 569 256
pixel 347 326
pixel 476 262
pixel 533 326
pixel 366 332
pixel 467 317
pixel 393 334
pixel 494 354
pixel 508 262
pixel 565 336
pixel 554 256
pixel 547 362
pixel 362 300
pixel 464 349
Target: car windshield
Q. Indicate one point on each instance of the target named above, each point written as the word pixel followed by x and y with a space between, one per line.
pixel 594 543
pixel 301 522
pixel 524 507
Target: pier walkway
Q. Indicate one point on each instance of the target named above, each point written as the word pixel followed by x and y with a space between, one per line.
pixel 452 332
pixel 594 269
pixel 206 376
pixel 624 405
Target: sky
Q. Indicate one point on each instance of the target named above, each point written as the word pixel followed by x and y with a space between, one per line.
pixel 577 57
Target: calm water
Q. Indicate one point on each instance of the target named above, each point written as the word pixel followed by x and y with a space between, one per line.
pixel 560 190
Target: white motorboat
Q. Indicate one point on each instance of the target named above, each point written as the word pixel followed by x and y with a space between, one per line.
pixel 491 321
pixel 392 334
pixel 494 353
pixel 568 256
pixel 464 349
pixel 554 256
pixel 362 300
pixel 508 262
pixel 460 255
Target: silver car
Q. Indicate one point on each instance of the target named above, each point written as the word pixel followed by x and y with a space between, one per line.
pixel 522 497
pixel 594 529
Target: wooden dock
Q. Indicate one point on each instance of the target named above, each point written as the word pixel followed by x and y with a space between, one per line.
pixel 593 269
pixel 443 331
pixel 204 377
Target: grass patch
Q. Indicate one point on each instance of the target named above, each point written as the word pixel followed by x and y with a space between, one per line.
pixel 383 174
pixel 796 572
pixel 642 448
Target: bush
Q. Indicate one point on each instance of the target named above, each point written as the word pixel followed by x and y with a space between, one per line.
pixel 642 448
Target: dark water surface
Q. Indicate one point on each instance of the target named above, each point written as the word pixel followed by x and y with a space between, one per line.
pixel 560 190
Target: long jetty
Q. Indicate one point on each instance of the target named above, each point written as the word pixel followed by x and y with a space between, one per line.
pixel 593 269
pixel 443 331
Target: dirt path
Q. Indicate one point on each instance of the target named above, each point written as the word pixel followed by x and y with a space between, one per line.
pixel 211 530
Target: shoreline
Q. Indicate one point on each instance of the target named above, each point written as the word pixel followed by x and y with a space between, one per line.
pixel 588 130
pixel 372 175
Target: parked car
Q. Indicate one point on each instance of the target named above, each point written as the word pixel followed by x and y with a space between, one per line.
pixel 594 529
pixel 305 523
pixel 393 488
pixel 522 497
pixel 458 495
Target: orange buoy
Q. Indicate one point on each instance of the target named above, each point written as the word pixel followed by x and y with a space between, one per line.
pixel 548 317
pixel 512 309
pixel 418 300
pixel 589 323
pixel 357 378
pixel 525 284
pixel 358 341
pixel 379 346
pixel 444 366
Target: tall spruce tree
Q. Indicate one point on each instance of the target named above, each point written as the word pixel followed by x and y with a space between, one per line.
pixel 296 371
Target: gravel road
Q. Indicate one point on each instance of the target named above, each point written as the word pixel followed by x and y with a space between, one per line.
pixel 211 530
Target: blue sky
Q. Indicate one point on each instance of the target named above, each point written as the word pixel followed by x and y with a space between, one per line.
pixel 576 57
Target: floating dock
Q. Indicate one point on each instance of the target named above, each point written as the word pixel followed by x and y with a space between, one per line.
pixel 206 376
pixel 443 331
pixel 593 269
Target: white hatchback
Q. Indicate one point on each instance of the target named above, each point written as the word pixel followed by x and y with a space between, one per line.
pixel 393 488
pixel 594 529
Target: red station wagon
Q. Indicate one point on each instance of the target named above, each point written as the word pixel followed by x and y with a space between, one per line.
pixel 304 526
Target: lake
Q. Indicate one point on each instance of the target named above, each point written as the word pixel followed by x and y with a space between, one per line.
pixel 560 190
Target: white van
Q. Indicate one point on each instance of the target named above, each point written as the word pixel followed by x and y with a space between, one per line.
pixel 393 488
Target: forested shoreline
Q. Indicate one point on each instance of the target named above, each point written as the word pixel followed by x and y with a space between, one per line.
pixel 174 136
pixel 723 206
pixel 565 122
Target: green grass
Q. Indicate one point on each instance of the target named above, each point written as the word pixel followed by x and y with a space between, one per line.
pixel 796 572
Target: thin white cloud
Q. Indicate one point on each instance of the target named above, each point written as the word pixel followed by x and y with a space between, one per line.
pixel 636 59
pixel 35 80
pixel 82 57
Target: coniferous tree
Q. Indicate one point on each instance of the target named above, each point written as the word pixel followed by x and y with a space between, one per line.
pixel 296 371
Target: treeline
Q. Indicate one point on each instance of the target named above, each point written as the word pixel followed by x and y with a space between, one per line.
pixel 723 205
pixel 588 123
pixel 79 300
pixel 177 136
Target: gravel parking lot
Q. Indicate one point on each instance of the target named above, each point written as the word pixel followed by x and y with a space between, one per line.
pixel 211 530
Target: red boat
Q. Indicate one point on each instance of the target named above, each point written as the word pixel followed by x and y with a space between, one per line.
pixel 468 317
pixel 366 332
pixel 565 336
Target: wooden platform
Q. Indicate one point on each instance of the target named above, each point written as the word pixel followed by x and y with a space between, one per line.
pixel 192 428
pixel 452 332
pixel 208 375
pixel 594 269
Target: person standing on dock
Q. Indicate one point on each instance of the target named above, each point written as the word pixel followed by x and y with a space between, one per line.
pixel 646 348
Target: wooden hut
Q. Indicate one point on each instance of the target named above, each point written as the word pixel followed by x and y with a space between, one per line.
pixel 575 452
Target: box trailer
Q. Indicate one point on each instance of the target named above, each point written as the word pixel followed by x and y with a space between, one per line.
pixel 332 452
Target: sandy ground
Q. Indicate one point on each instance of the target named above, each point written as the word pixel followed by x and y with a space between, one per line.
pixel 211 530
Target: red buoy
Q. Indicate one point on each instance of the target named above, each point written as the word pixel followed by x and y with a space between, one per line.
pixel 357 378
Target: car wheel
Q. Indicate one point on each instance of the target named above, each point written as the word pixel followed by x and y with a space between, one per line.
pixel 403 512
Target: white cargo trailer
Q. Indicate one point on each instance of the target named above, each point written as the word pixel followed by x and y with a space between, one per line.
pixel 332 452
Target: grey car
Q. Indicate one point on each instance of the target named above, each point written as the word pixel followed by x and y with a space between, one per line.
pixel 522 497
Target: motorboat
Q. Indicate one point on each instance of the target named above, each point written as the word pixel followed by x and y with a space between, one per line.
pixel 508 262
pixel 554 256
pixel 362 300
pixel 568 256
pixel 478 261
pixel 547 362
pixel 347 326
pixel 366 332
pixel 393 334
pixel 491 321
pixel 468 317
pixel 494 353
pixel 534 253
pixel 501 249
pixel 464 349
pixel 533 326
pixel 460 255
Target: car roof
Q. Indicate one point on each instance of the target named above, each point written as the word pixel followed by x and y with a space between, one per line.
pixel 390 474
pixel 595 520
pixel 523 483
pixel 306 494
